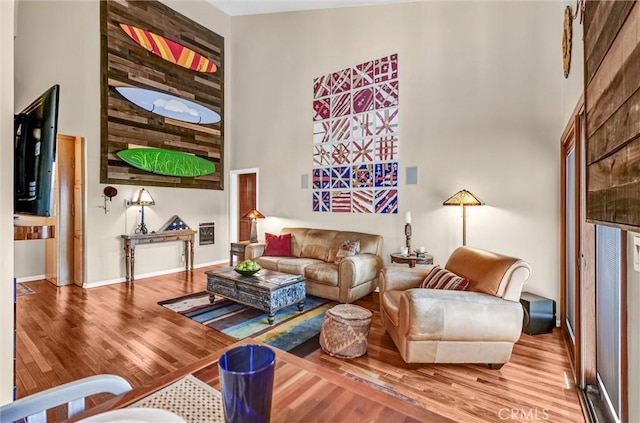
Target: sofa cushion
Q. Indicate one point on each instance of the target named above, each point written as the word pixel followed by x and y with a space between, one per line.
pixel 348 248
pixel 296 266
pixel 369 243
pixel 268 262
pixel 317 244
pixel 277 245
pixel 440 278
pixel 324 273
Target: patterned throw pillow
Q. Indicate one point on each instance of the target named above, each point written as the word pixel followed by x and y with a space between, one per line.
pixel 440 278
pixel 278 246
pixel 348 248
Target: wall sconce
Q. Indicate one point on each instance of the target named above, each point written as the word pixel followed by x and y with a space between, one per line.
pixel 108 193
pixel 463 198
pixel 253 214
pixel 142 198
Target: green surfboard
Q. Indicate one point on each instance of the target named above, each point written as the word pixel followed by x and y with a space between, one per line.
pixel 167 162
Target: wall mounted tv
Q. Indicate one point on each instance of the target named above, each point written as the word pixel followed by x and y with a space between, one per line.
pixel 35 130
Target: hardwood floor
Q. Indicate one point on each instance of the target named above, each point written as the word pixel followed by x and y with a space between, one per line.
pixel 67 333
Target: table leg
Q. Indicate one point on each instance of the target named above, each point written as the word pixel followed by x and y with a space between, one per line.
pixel 412 263
pixel 127 260
pixel 191 255
pixel 300 305
pixel 186 255
pixel 271 316
pixel 133 261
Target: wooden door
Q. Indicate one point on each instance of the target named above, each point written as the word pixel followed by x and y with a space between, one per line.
pixel 60 251
pixel 246 202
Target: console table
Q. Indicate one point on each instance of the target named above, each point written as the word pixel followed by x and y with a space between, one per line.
pixel 188 236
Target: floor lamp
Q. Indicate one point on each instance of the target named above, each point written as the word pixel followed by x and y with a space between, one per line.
pixel 253 214
pixel 463 198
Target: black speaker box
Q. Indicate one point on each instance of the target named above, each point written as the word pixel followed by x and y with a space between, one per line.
pixel 539 314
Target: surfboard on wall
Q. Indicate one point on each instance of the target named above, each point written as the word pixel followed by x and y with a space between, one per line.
pixel 168 105
pixel 169 50
pixel 167 162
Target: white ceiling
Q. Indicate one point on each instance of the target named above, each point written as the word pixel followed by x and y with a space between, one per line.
pixel 257 7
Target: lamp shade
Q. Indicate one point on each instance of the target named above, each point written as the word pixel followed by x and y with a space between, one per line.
pixel 142 198
pixel 463 198
pixel 253 214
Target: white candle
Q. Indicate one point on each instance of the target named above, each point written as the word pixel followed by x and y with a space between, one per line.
pixel 407 217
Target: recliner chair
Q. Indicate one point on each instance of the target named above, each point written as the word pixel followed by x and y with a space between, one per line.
pixel 479 325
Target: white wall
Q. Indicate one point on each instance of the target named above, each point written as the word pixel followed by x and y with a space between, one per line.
pixel 572 86
pixel 6 207
pixel 480 103
pixel 59 42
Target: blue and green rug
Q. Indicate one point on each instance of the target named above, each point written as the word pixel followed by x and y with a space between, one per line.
pixel 294 331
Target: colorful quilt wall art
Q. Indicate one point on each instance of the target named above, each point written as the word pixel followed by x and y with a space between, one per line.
pixel 356 139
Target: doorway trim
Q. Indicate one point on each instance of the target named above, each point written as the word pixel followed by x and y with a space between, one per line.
pixel 233 198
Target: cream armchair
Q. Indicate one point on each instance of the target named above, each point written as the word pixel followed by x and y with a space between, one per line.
pixel 479 325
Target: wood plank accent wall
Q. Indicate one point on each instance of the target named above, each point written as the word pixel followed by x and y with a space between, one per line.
pixel 612 103
pixel 125 63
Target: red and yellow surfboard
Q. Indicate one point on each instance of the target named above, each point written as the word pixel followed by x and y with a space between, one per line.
pixel 169 50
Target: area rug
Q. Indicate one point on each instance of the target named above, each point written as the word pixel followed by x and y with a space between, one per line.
pixel 23 290
pixel 292 330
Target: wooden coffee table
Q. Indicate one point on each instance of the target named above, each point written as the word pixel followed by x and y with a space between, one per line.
pixel 266 290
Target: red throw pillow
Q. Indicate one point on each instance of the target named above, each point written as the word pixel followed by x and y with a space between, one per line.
pixel 277 245
pixel 440 278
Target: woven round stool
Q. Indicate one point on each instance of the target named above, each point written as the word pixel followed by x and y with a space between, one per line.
pixel 345 330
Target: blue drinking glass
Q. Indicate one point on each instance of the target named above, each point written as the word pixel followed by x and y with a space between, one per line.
pixel 246 377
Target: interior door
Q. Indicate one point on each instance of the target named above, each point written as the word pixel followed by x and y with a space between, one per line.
pixel 246 201
pixel 60 252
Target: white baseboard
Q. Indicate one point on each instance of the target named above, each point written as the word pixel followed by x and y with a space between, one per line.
pixel 149 275
pixel 30 278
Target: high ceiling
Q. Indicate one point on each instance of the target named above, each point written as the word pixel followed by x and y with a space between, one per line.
pixel 257 7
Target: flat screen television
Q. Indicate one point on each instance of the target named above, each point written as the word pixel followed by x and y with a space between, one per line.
pixel 35 131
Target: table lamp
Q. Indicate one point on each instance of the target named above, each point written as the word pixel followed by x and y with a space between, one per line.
pixel 253 214
pixel 463 198
pixel 142 198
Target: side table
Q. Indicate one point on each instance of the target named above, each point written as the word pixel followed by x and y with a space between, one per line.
pixel 411 260
pixel 237 249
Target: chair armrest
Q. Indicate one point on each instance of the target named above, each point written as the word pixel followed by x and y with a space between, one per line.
pixel 469 316
pixel 252 251
pixel 401 278
pixel 358 269
pixel 66 393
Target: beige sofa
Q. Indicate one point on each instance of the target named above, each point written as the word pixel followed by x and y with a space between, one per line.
pixel 479 325
pixel 313 254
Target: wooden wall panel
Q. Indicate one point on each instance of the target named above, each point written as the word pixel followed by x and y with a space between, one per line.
pixel 606 22
pixel 126 64
pixel 612 104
